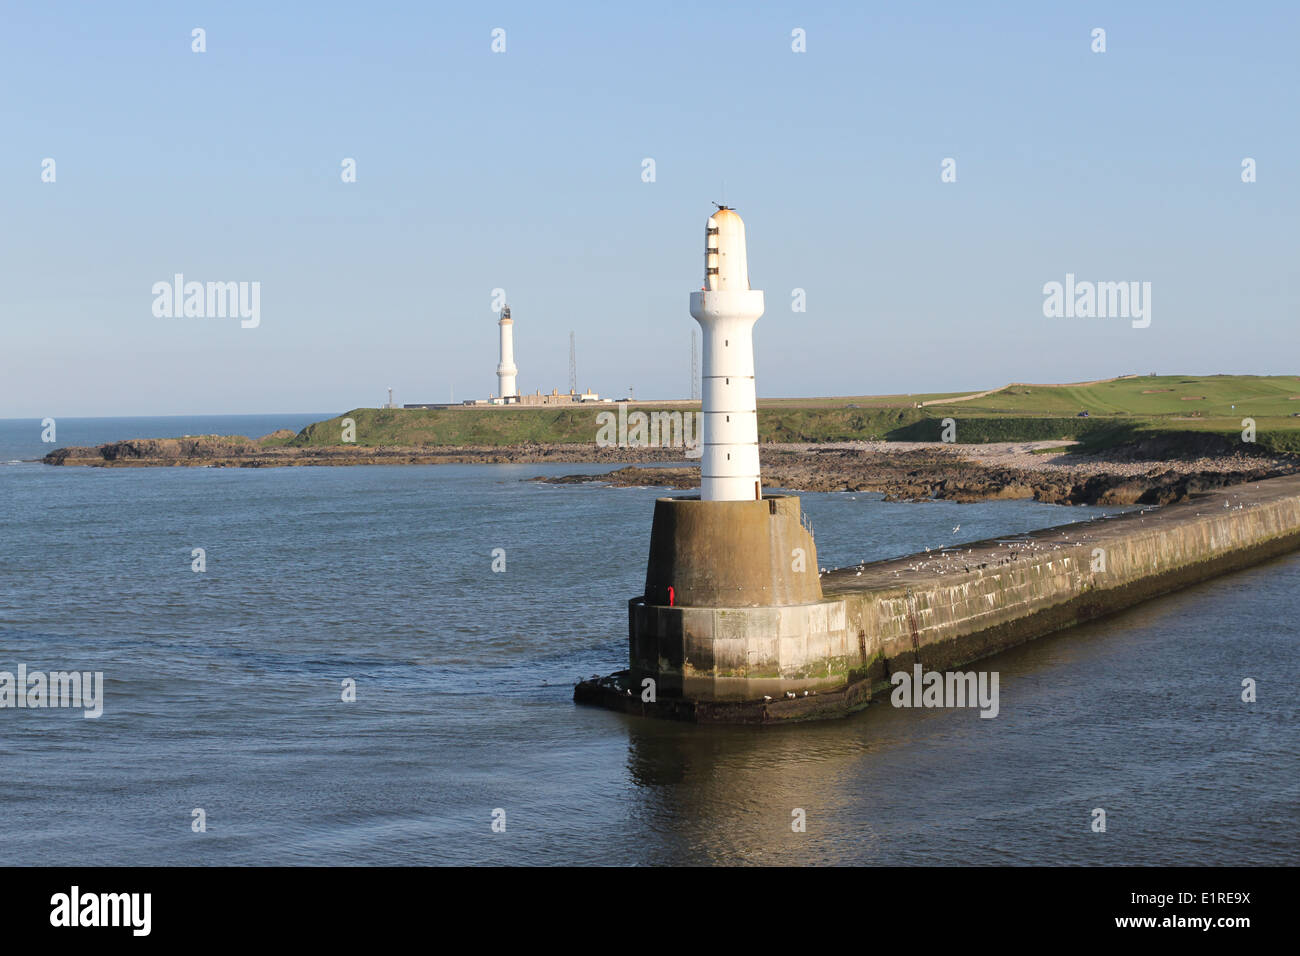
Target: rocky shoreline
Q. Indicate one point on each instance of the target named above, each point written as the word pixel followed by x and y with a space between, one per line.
pixel 214 451
pixel 919 472
pixel 1140 473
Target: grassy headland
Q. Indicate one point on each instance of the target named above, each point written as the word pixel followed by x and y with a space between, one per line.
pixel 1174 408
pixel 1148 440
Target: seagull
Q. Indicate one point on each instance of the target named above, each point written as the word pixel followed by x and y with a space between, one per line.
pixel 789 694
pixel 765 697
pixel 956 529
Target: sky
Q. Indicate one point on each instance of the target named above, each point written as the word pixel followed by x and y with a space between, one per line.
pixel 524 170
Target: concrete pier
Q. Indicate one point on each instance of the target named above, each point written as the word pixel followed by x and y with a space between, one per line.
pixel 942 609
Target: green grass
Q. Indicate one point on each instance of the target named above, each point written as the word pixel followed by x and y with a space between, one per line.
pixel 1135 408
pixel 843 401
pixel 442 427
pixel 514 426
pixel 1177 396
pixel 1118 411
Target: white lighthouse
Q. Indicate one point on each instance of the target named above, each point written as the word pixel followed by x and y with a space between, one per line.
pixel 727 308
pixel 506 370
pixel 732 578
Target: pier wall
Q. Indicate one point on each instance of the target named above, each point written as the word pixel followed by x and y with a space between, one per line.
pixel 943 609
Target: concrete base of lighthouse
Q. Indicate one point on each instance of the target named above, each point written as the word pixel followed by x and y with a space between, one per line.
pixel 743 653
pixel 733 607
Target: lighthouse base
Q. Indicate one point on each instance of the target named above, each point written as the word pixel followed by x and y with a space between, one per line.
pixel 733 608
pixel 740 653
pixel 617 692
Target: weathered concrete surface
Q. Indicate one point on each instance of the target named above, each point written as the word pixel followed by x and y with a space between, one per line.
pixel 946 609
pixel 740 653
pixel 731 554
pixel 732 607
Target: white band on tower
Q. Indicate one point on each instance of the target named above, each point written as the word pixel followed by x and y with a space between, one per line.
pixel 727 309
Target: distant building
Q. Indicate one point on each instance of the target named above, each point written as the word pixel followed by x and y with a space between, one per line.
pixel 555 398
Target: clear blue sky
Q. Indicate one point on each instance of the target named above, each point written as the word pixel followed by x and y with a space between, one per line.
pixel 522 170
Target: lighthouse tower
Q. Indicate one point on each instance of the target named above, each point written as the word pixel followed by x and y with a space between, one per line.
pixel 727 308
pixel 732 611
pixel 506 370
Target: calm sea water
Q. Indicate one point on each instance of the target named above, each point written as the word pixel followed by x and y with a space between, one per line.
pixel 223 687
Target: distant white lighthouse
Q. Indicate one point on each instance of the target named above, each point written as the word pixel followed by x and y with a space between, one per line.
pixel 506 370
pixel 727 309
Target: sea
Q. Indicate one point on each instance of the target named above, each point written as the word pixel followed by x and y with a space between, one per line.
pixel 348 680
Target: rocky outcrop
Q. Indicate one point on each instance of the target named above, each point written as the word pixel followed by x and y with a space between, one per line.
pixel 238 452
pixel 1156 472
pixel 941 474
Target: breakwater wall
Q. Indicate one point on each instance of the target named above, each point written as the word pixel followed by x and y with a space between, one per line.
pixel 944 608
